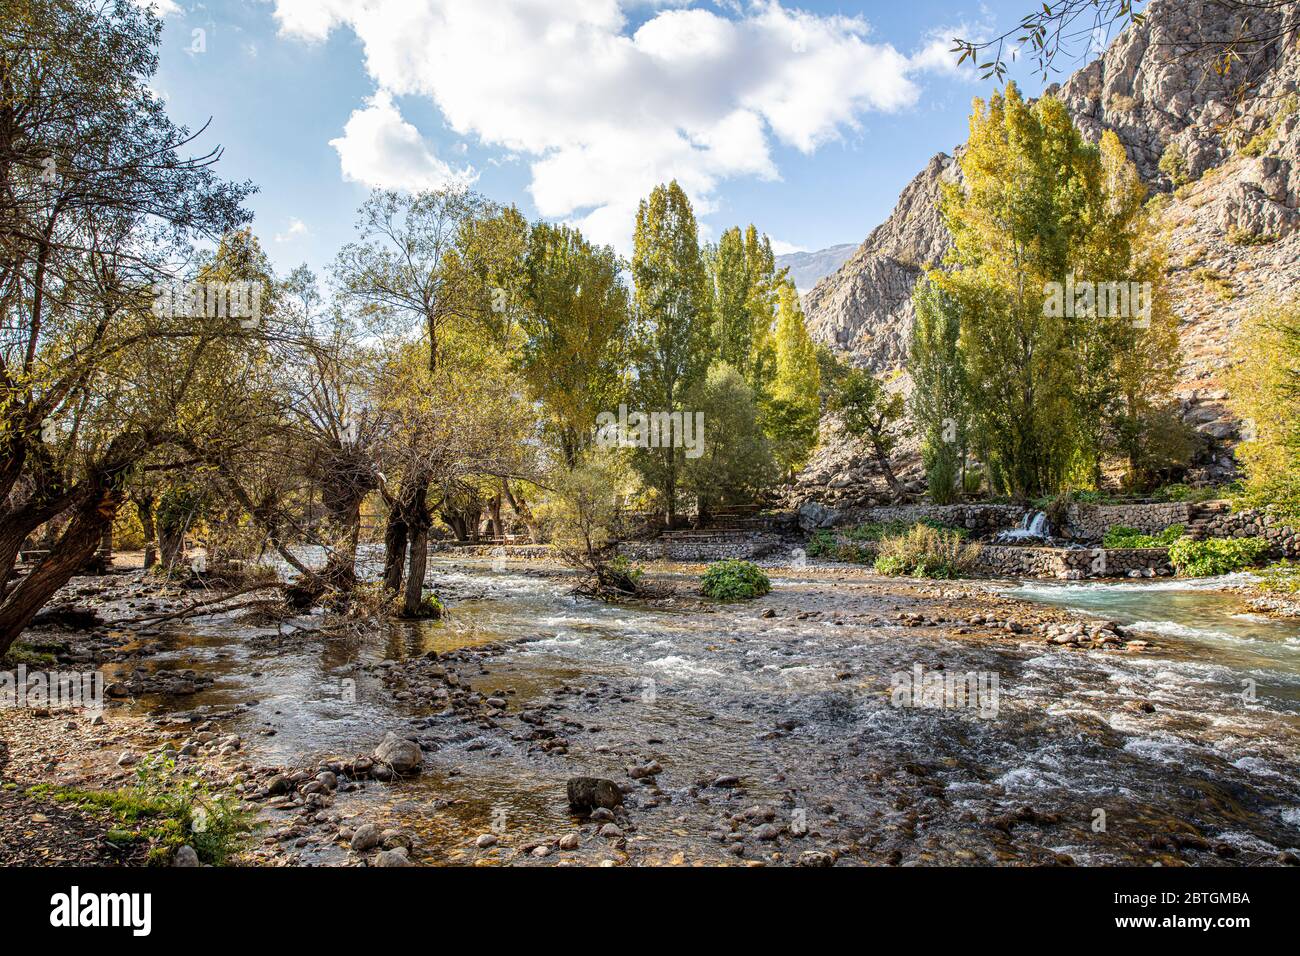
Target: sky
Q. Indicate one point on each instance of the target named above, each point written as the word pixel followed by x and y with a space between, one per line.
pixel 806 120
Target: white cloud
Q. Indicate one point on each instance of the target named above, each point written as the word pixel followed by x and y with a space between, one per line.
pixel 295 229
pixel 782 248
pixel 162 8
pixel 601 111
pixel 379 148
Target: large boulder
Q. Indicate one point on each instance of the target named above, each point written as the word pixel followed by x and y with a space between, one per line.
pixel 402 756
pixel 589 793
pixel 814 515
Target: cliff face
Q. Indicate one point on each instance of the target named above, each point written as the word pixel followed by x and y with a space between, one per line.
pixel 1231 215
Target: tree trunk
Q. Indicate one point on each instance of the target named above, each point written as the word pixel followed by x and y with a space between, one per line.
pixel 417 521
pixel 891 479
pixel 144 509
pixel 74 548
pixel 395 534
pixel 520 508
pixel 498 530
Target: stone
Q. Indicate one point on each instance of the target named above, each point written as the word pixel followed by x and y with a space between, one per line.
pixel 588 793
pixel 366 837
pixel 396 857
pixel 611 831
pixel 400 755
pixel 815 858
pixel 186 856
pixel 569 841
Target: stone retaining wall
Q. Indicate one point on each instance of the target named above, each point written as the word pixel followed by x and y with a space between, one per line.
pixel 743 546
pixel 1256 524
pixel 1073 564
pixel 1090 522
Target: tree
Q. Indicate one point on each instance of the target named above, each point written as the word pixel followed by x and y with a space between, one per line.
pixel 745 286
pixel 672 340
pixel 871 413
pixel 792 415
pixel 938 404
pixel 94 191
pixel 1265 388
pixel 735 462
pixel 576 328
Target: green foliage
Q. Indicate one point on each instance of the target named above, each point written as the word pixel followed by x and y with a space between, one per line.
pixel 734 581
pixel 169 809
pixel 673 341
pixel 873 414
pixel 792 415
pixel 939 404
pixel 576 325
pixel 1215 556
pixel 1122 536
pixel 821 544
pixel 734 463
pixel 1244 237
pixel 1214 282
pixel 1265 389
pixel 1052 390
pixel 926 552
pixel 1280 578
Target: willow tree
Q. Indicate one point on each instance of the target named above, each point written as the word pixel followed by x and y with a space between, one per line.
pixel 673 345
pixel 96 190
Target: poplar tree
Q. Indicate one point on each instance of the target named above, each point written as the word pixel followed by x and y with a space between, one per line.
pixel 673 316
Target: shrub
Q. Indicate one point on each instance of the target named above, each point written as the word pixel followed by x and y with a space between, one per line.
pixel 1259 145
pixel 1214 556
pixel 1122 536
pixel 924 551
pixel 1174 165
pixel 821 544
pixel 735 581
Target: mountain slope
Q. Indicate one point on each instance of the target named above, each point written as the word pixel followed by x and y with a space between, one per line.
pixel 809 268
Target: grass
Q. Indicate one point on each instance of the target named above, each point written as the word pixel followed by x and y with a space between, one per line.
pixel 1215 556
pixel 924 551
pixel 166 808
pixel 1213 282
pixel 734 581
pixel 29 655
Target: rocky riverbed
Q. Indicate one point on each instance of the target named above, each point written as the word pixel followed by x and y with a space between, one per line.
pixel 843 719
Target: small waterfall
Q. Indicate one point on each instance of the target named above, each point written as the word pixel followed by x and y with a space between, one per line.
pixel 1033 527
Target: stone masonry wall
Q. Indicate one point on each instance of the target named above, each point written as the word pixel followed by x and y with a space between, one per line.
pixel 1256 524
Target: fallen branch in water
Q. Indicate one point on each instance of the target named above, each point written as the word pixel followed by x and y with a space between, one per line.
pixel 200 608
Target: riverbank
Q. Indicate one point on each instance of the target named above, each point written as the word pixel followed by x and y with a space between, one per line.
pixel 763 733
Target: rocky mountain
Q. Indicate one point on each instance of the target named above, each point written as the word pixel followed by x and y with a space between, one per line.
pixel 809 268
pixel 1232 187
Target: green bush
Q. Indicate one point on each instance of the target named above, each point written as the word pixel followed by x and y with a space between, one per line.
pixel 924 551
pixel 734 581
pixel 821 544
pixel 1215 556
pixel 1122 536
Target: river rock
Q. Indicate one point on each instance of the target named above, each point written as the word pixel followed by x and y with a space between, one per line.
pixel 400 755
pixel 186 856
pixel 396 857
pixel 366 838
pixel 588 793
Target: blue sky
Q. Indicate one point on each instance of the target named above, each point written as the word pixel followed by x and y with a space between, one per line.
pixel 805 119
